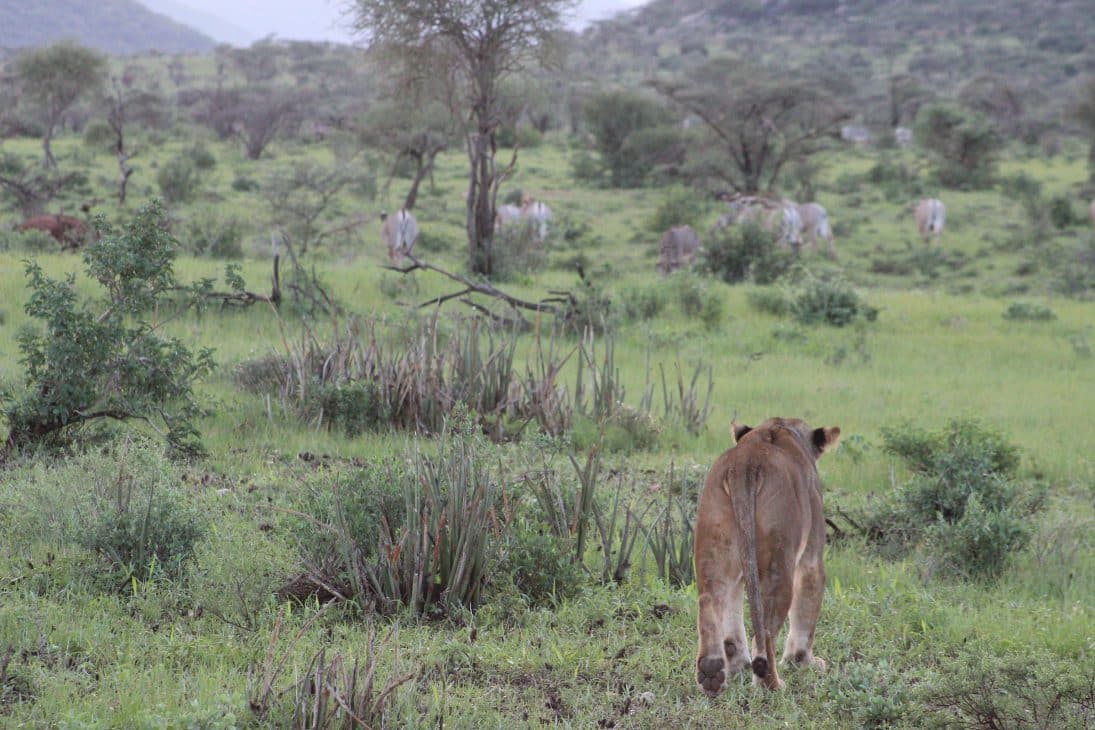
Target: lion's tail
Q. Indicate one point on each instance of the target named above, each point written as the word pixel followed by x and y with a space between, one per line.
pixel 744 502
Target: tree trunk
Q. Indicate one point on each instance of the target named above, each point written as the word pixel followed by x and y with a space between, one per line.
pixel 51 163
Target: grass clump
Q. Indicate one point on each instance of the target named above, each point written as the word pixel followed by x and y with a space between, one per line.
pixel 962 507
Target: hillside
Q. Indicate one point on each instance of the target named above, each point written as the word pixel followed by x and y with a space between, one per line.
pixel 112 26
pixel 1040 46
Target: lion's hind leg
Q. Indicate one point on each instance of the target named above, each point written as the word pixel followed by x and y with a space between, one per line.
pixel 723 649
pixel 805 608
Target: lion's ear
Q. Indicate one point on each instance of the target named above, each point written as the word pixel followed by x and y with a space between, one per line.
pixel 826 439
pixel 739 429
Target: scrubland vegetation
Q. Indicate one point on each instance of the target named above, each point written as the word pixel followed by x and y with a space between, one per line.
pixel 225 504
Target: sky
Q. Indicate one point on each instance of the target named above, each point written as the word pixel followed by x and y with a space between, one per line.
pixel 243 21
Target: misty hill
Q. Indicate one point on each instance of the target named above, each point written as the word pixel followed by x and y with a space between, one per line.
pixel 112 26
pixel 1040 46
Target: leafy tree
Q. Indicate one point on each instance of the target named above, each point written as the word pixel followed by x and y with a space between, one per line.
pixel 964 143
pixel 410 128
pixel 474 45
pixel 87 361
pixel 616 120
pixel 53 78
pixel 758 121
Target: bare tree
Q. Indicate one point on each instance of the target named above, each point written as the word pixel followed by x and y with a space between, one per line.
pixel 53 78
pixel 263 113
pixel 760 122
pixel 476 44
pixel 304 202
pixel 124 103
pixel 1083 111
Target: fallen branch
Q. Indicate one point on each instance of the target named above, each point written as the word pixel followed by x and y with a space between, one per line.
pixel 475 287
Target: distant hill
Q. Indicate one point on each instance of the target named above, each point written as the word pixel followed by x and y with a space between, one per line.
pixel 111 26
pixel 1039 45
pixel 207 22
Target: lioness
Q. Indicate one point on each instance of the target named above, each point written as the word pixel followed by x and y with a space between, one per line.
pixel 760 525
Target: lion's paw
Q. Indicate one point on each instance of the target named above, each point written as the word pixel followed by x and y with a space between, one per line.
pixel 711 674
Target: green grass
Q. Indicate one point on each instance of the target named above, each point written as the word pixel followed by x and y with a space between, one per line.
pixel 155 656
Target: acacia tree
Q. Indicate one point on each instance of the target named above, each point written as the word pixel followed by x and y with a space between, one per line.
pixel 760 122
pixel 475 44
pixel 53 78
pixel 417 132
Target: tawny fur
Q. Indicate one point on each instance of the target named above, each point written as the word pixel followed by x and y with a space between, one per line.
pixel 760 529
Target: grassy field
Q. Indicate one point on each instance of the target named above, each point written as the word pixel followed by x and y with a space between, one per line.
pixel 193 649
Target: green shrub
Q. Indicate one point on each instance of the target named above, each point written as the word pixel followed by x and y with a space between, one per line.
pixel 690 294
pixel 1031 688
pixel 178 180
pixel 518 250
pixel 1061 214
pixel 244 184
pixel 353 408
pixel 236 571
pixel 542 567
pixel 214 236
pixel 202 158
pixel 1026 312
pixel 833 302
pixel 812 300
pixel 981 543
pixel 962 505
pixel 88 360
pixel 680 206
pixel 422 538
pixel 143 530
pixel 642 304
pixel 736 253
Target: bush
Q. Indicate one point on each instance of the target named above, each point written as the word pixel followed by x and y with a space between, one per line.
pixel 178 180
pixel 201 157
pixel 518 250
pixel 123 504
pixel 353 408
pixel 1061 214
pixel 981 543
pixel 820 301
pixel 1022 311
pixel 1032 688
pixel 89 360
pixel 812 300
pixel 244 184
pixel 542 567
pixel 143 530
pixel 737 253
pixel 236 570
pixel 961 505
pixel 213 236
pixel 680 206
pixel 422 539
pixel 642 304
pixel 964 142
